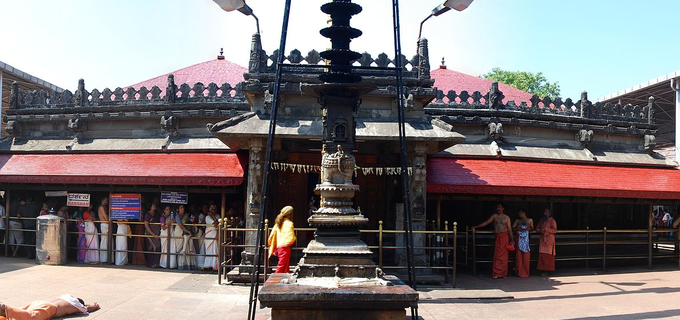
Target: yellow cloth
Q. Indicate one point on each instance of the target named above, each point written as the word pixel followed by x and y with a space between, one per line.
pixel 37 310
pixel 284 237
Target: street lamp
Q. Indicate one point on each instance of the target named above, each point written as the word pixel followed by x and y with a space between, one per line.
pixel 458 5
pixel 241 6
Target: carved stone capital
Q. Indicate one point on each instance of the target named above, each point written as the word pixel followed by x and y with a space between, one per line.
pixel 13 128
pixel 650 142
pixel 169 123
pixel 495 131
pixel 585 137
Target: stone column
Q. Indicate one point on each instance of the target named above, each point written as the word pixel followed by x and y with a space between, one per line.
pixel 255 173
pixel 419 200
pixel 423 60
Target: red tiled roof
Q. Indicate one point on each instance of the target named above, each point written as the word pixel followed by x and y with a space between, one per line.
pixel 218 71
pixel 446 79
pixel 503 177
pixel 176 169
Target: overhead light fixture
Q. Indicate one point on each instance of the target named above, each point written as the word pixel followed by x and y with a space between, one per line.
pixel 230 5
pixel 458 5
pixel 241 6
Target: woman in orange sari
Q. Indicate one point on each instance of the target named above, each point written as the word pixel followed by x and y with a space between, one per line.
pixel 282 238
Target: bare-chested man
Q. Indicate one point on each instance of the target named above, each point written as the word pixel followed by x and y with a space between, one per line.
pixel 42 310
pixel 503 230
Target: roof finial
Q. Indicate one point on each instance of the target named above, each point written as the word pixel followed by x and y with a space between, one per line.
pixel 443 65
pixel 221 56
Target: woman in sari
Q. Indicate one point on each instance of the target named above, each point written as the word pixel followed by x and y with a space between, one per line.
pixel 167 260
pixel 282 239
pixel 122 234
pixel 82 241
pixel 197 240
pixel 91 239
pixel 211 239
pixel 138 246
pixel 153 244
pixel 181 243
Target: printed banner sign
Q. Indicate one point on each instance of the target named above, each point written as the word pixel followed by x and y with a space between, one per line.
pixel 56 193
pixel 78 200
pixel 125 206
pixel 174 197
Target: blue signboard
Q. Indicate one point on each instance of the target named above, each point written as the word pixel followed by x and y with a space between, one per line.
pixel 125 206
pixel 174 197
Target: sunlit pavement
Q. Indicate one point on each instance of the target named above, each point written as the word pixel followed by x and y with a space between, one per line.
pixel 140 293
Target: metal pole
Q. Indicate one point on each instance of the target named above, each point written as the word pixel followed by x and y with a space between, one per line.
pixel 604 249
pixel 455 254
pixel 587 247
pixel 380 244
pixel 403 146
pixel 254 279
pixel 474 252
pixel 439 212
pixel 408 224
pixel 219 250
pixel 649 237
pixel 266 249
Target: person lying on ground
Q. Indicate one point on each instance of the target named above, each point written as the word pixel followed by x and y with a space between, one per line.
pixel 42 310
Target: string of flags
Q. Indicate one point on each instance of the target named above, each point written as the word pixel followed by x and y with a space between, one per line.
pixel 304 168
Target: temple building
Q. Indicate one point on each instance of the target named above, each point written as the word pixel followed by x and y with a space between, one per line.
pixel 472 143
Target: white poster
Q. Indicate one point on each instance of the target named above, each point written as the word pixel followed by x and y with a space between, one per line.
pixel 78 200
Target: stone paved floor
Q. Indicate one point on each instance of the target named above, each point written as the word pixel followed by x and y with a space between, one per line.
pixel 140 293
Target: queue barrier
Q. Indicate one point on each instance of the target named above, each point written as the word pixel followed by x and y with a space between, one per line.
pixel 27 235
pixel 111 234
pixel 597 245
pixel 439 249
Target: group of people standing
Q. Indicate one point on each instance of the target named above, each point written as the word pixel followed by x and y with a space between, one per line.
pixel 178 240
pixel 173 238
pixel 515 237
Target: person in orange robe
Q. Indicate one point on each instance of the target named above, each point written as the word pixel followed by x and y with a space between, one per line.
pixel 43 310
pixel 547 227
pixel 503 230
pixel 522 227
pixel 282 238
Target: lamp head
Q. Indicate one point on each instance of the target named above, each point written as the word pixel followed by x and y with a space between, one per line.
pixel 458 5
pixel 230 5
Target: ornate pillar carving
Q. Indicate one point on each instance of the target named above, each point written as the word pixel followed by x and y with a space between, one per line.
pixel 418 183
pixel 255 173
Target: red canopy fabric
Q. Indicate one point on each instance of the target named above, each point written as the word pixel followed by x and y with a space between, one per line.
pixel 503 177
pixel 172 169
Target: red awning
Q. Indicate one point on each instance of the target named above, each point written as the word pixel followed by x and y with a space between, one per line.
pixel 503 177
pixel 172 169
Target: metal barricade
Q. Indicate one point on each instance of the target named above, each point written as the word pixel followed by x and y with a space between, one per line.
pixel 375 238
pixel 591 245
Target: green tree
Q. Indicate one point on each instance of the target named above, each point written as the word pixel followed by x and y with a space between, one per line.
pixel 533 83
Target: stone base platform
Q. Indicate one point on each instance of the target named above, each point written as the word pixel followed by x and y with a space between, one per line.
pixel 237 275
pixel 303 302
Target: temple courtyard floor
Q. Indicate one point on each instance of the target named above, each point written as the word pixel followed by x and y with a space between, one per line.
pixel 139 293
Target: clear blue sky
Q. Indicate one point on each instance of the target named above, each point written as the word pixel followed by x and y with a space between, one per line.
pixel 601 46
